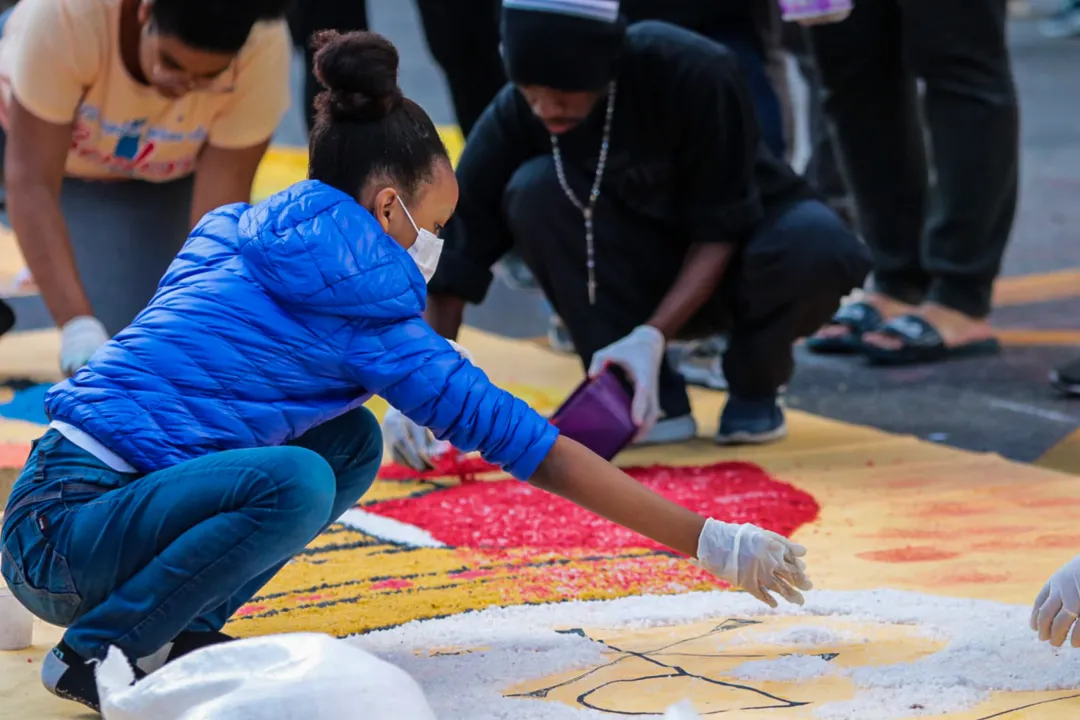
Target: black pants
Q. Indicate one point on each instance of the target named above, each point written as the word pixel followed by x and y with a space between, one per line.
pixel 308 17
pixel 463 36
pixel 940 243
pixel 787 279
pixel 823 168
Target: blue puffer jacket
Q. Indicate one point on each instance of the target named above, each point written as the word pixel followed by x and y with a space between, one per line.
pixel 274 319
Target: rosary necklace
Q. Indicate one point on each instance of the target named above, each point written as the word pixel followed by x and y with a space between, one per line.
pixel 587 208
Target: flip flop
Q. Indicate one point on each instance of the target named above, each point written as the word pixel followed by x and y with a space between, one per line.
pixel 858 318
pixel 922 343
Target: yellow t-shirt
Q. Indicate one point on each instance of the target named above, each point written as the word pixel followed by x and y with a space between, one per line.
pixel 61 58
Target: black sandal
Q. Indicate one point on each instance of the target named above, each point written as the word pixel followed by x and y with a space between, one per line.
pixel 858 318
pixel 922 343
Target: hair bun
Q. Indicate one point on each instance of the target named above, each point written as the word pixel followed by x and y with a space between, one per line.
pixel 359 71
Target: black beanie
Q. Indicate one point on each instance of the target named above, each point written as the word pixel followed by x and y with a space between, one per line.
pixel 571 45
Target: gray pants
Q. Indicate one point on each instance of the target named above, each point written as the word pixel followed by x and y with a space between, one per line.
pixel 124 235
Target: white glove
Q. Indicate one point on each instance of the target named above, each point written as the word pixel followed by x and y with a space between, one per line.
pixel 409 444
pixel 758 561
pixel 1058 605
pixel 639 354
pixel 80 338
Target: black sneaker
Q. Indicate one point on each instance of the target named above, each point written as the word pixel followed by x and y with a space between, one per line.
pixel 751 422
pixel 7 317
pixel 69 675
pixel 1066 378
pixel 186 642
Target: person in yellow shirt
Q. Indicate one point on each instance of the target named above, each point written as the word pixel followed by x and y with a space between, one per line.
pixel 126 121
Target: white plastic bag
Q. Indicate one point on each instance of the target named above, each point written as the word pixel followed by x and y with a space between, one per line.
pixel 300 676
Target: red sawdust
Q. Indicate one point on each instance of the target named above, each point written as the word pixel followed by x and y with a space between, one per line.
pixel 974 578
pixel 511 514
pixel 1046 502
pixel 957 509
pixel 13 455
pixel 908 554
pixel 1005 530
pixel 249 610
pixel 453 463
pixel 909 534
pixel 1058 541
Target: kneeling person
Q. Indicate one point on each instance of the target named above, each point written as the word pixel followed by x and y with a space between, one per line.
pixel 216 436
pixel 625 166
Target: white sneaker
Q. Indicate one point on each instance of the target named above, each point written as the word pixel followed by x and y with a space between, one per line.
pixel 669 431
pixel 559 337
pixel 701 363
pixel 1064 23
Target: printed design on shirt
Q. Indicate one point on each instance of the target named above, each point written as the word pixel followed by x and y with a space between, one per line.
pixel 132 148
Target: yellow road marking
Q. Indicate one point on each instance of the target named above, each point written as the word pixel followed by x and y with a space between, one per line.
pixel 1036 288
pixel 1023 336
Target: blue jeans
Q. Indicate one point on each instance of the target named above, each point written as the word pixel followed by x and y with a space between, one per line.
pixel 132 561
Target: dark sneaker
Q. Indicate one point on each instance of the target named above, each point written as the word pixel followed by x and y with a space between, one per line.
pixel 69 675
pixel 186 642
pixel 751 422
pixel 7 317
pixel 1066 378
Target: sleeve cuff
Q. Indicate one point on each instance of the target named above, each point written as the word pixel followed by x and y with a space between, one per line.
pixel 525 466
pixel 460 278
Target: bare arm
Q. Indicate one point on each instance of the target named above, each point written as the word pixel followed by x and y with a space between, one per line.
pixel 573 472
pixel 224 176
pixel 34 170
pixel 701 273
pixel 445 314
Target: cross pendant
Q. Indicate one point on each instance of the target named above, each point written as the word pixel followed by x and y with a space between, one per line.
pixel 592 292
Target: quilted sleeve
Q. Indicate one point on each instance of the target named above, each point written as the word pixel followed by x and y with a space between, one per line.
pixel 420 374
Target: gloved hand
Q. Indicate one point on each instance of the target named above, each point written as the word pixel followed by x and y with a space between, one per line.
pixel 639 354
pixel 409 444
pixel 80 338
pixel 758 561
pixel 1058 606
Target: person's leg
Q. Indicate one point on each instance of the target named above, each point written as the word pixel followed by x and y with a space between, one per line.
pixel 959 48
pixel 137 563
pixel 463 36
pixel 352 445
pixel 755 71
pixel 149 557
pixel 549 233
pixel 307 18
pixel 787 280
pixel 870 98
pixel 124 235
pixel 823 168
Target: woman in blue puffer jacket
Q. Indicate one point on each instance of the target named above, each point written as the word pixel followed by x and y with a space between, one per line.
pixel 221 432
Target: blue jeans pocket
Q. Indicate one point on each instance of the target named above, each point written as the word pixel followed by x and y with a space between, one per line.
pixel 38 574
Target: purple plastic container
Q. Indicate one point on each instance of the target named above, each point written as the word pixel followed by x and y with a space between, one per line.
pixel 597 415
pixel 801 9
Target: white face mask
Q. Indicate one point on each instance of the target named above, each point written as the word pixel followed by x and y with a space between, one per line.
pixel 426 250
